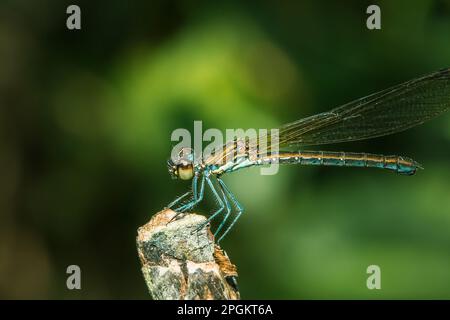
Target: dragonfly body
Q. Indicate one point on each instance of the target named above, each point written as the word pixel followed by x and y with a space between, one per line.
pixel 389 111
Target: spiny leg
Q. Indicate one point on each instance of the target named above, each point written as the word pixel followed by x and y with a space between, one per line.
pixel 193 197
pixel 197 196
pixel 219 200
pixel 222 202
pixel 239 208
pixel 224 194
pixel 192 192
pixel 178 199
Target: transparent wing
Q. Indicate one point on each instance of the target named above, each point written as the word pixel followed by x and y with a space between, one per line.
pixel 386 112
pixel 389 111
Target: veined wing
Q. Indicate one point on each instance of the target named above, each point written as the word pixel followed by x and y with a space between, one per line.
pixel 386 112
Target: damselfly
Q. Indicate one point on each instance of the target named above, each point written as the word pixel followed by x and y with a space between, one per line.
pixel 386 112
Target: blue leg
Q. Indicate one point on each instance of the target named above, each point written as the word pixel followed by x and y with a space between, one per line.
pixel 239 208
pixel 194 195
pixel 192 192
pixel 227 203
pixel 197 196
pixel 223 202
pixel 174 202
pixel 194 187
pixel 219 200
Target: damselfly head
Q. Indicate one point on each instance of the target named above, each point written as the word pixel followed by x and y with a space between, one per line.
pixel 182 166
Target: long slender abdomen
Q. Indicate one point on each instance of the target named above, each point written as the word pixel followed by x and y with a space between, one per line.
pixel 398 164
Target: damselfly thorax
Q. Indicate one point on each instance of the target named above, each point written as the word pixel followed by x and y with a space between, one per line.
pixel 386 112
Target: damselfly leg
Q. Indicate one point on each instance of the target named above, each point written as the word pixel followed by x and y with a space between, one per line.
pixel 223 202
pixel 197 196
pixel 236 203
pixel 224 193
pixel 178 199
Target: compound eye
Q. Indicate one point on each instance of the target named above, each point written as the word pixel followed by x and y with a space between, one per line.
pixel 186 172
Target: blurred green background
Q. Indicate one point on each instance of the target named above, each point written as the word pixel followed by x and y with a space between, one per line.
pixel 86 118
